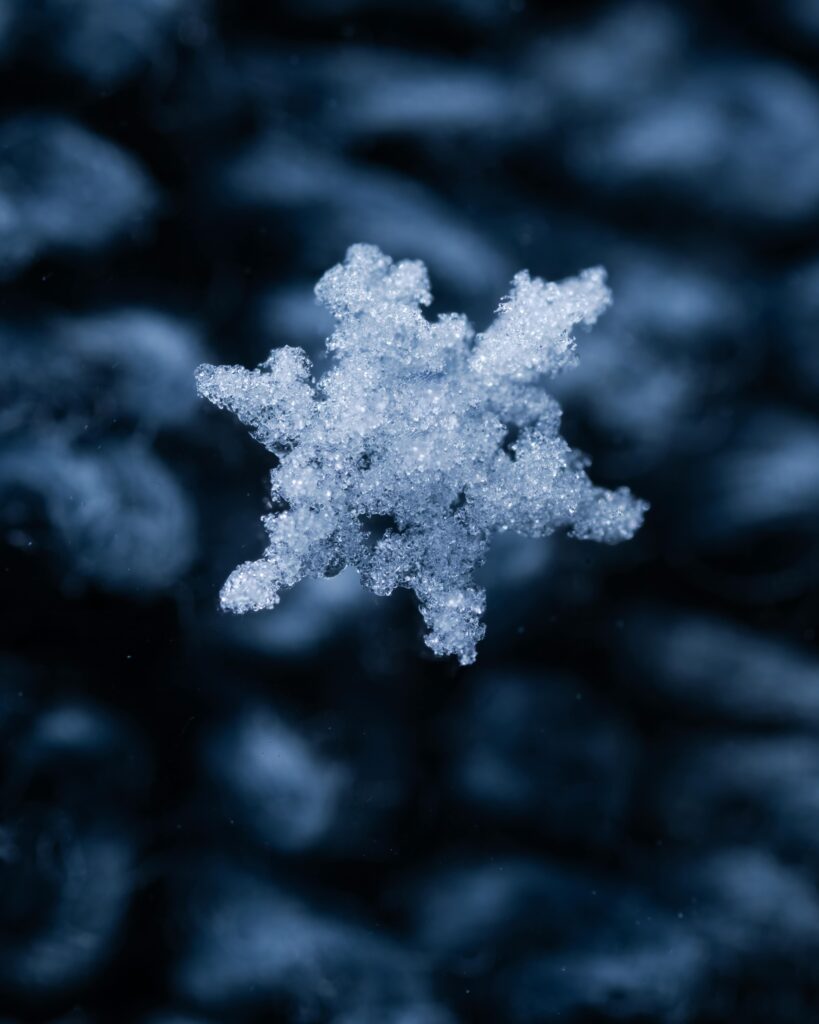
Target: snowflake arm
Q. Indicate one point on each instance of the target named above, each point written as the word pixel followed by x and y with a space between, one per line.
pixel 531 335
pixel 400 460
pixel 275 400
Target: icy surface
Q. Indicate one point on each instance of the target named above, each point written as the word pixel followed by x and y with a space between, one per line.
pixel 421 441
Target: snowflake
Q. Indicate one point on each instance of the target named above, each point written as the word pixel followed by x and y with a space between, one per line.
pixel 420 442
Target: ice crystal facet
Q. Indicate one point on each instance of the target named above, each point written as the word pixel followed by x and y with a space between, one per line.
pixel 421 441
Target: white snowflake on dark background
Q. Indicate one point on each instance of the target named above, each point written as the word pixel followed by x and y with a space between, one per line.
pixel 420 442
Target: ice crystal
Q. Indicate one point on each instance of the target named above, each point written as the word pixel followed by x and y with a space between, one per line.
pixel 421 441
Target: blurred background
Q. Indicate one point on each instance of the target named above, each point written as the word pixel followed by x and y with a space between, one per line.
pixel 301 816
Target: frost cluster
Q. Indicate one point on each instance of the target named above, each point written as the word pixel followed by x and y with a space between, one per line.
pixel 421 441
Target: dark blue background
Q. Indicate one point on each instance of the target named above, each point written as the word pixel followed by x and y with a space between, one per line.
pixel 302 816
